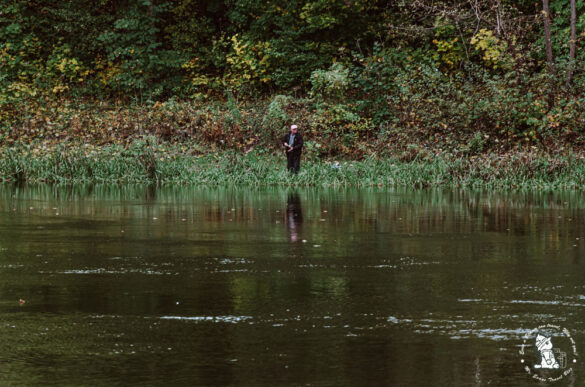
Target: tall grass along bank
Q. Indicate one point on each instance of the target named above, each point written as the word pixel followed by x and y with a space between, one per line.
pixel 146 161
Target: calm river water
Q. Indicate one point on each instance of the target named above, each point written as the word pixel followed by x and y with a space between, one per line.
pixel 184 286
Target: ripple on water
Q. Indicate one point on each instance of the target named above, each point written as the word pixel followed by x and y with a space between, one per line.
pixel 528 302
pixel 224 319
pixel 458 329
pixel 110 271
pixel 544 302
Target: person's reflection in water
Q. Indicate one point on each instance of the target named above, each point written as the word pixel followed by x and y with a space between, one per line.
pixel 294 216
pixel 150 193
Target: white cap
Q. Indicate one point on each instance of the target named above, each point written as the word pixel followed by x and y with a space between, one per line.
pixel 293 127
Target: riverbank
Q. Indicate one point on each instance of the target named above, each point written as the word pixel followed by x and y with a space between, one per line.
pixel 146 161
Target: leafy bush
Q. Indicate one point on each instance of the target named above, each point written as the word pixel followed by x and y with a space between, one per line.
pixel 276 117
pixel 331 83
pixel 136 58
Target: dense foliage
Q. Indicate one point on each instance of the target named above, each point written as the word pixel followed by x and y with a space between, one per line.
pixel 362 72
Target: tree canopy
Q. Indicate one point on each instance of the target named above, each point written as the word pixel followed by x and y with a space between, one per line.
pixel 456 62
pixel 163 48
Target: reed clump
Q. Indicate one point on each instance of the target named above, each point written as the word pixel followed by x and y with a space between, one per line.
pixel 148 161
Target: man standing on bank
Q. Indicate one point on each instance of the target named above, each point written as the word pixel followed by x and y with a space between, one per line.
pixel 293 145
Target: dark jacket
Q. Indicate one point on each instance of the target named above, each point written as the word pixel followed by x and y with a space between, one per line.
pixel 297 146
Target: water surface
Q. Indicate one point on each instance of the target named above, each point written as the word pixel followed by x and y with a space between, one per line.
pixel 189 286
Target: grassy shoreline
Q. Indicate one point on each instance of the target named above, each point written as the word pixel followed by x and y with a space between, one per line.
pixel 182 163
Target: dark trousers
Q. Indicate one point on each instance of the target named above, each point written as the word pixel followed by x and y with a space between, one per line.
pixel 293 161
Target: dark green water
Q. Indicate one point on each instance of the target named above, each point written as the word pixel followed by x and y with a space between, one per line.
pixel 185 286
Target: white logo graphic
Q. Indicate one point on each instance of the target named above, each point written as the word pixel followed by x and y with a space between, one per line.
pixel 545 346
pixel 548 353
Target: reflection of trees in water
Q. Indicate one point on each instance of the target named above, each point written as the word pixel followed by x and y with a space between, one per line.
pixel 548 221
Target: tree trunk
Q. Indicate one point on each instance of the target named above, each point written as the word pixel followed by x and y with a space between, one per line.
pixel 573 43
pixel 549 54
